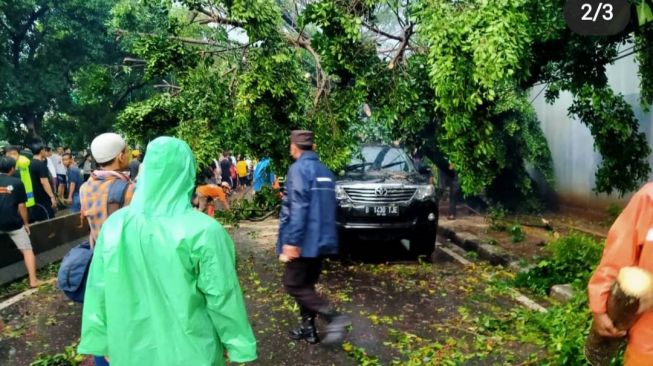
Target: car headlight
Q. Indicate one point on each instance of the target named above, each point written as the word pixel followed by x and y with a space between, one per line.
pixel 341 194
pixel 425 193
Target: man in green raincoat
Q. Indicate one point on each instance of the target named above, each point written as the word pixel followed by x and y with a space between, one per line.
pixel 162 287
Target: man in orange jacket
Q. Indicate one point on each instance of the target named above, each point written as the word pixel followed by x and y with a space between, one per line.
pixel 208 193
pixel 629 243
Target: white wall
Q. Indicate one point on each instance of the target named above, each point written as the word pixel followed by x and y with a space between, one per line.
pixel 574 159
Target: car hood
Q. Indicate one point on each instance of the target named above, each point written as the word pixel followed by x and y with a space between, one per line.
pixel 382 177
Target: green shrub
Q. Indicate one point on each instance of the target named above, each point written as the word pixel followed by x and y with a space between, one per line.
pixel 68 358
pixel 565 328
pixel 497 216
pixel 517 235
pixel 571 259
pixel 560 332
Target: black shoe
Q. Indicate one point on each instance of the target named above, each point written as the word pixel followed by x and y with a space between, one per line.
pixel 336 330
pixel 307 332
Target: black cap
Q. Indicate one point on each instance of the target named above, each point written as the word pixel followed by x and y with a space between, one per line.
pixel 302 138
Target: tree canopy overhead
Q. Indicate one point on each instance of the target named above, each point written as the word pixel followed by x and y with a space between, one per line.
pixel 450 77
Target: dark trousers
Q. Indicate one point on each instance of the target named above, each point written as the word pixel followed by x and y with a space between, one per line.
pixel 299 280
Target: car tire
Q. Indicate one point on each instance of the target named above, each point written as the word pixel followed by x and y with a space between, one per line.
pixel 424 245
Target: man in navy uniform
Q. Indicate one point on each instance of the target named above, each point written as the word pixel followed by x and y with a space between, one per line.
pixel 307 232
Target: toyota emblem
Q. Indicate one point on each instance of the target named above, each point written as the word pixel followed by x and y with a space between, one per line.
pixel 381 192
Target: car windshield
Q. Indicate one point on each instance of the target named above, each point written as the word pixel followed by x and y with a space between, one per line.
pixel 381 158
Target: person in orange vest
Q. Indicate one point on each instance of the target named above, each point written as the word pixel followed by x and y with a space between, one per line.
pixel 629 243
pixel 207 194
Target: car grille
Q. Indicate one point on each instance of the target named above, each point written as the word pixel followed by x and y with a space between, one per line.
pixel 370 195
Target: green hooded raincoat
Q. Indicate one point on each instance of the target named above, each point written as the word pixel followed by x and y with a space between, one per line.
pixel 162 288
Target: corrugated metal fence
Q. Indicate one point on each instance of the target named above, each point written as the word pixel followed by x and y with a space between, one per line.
pixel 572 146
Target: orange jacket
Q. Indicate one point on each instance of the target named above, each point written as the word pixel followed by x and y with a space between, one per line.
pixel 629 243
pixel 213 191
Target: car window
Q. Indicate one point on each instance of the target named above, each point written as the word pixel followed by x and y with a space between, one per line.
pixel 381 158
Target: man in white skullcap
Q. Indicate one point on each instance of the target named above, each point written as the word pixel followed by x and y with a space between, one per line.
pixel 108 189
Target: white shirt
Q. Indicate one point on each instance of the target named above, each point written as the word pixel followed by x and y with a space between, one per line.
pixel 51 167
pixel 217 170
pixel 58 164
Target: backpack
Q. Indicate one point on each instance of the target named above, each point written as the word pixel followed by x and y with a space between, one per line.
pixel 73 272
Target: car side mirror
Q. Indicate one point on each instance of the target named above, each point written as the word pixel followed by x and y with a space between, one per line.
pixel 423 170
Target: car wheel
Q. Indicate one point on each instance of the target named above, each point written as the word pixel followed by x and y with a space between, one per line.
pixel 424 245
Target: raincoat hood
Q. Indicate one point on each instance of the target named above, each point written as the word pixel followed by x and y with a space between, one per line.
pixel 166 180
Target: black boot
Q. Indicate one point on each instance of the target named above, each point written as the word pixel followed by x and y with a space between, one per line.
pixel 307 332
pixel 336 329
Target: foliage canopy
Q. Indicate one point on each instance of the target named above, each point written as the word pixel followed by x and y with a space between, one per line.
pixel 448 77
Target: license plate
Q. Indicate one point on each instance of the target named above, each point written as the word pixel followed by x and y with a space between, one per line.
pixel 382 210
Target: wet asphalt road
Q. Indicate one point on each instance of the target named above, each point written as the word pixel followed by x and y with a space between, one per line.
pixel 404 312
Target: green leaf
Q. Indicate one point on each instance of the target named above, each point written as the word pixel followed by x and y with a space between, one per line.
pixel 644 13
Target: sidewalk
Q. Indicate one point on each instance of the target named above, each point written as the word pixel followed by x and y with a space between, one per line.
pixel 475 232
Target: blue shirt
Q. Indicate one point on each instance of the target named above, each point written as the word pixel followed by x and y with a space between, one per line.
pixel 74 176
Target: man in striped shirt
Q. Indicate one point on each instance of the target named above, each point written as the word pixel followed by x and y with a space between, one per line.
pixel 110 152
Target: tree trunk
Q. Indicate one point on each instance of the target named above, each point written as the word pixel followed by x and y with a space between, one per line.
pixel 33 121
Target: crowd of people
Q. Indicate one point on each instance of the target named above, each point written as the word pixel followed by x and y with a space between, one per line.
pixel 37 182
pixel 228 174
pixel 44 181
pixel 160 263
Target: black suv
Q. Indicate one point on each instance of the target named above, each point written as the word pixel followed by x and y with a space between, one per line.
pixel 383 196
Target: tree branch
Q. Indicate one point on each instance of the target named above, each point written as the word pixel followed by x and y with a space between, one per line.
pixel 167 85
pixel 320 77
pixel 174 90
pixel 125 94
pixel 291 24
pixel 240 47
pixel 408 31
pixel 131 60
pixel 195 41
pixel 218 19
pixel 396 12
pixel 380 32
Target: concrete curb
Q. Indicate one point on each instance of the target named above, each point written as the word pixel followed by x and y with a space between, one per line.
pixel 444 254
pixel 450 253
pixel 470 242
pixel 562 293
pixel 17 298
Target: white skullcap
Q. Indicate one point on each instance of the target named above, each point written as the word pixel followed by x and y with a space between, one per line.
pixel 107 146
